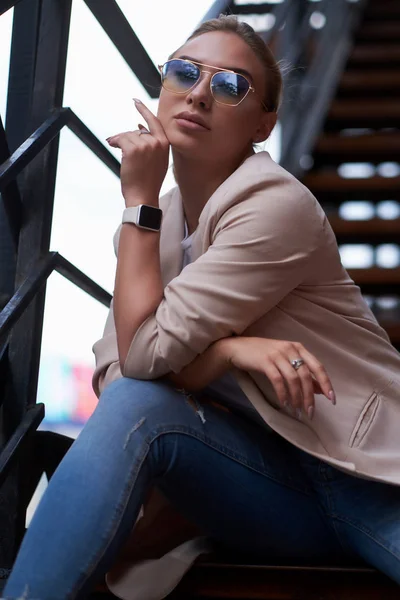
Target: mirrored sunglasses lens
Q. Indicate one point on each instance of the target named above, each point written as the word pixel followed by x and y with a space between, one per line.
pixel 179 76
pixel 229 88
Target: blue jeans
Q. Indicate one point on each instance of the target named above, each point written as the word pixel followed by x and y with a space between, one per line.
pixel 247 488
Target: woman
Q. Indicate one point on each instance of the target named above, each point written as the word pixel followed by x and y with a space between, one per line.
pixel 211 392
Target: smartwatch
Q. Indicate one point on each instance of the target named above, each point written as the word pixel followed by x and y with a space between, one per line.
pixel 143 216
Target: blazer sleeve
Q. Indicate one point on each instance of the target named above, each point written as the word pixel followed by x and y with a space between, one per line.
pixel 262 248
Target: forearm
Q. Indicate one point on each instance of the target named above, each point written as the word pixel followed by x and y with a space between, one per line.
pixel 138 288
pixel 205 368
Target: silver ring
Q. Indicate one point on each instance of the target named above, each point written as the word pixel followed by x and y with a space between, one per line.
pixel 296 363
pixel 144 131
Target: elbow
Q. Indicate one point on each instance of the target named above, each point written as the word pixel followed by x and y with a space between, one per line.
pixel 137 369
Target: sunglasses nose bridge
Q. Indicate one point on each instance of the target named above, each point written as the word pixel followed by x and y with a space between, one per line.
pixel 203 80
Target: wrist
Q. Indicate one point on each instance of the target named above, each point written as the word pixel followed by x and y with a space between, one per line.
pixel 136 200
pixel 224 348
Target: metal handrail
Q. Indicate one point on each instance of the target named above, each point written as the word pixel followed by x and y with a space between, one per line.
pixel 43 135
pixel 36 278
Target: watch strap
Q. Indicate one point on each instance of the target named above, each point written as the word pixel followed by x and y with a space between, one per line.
pixel 130 214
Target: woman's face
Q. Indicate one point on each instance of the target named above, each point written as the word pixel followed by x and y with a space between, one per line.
pixel 231 130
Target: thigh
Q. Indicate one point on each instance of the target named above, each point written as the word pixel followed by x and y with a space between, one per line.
pixel 366 516
pixel 240 483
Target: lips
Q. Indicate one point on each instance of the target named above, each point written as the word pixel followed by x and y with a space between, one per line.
pixel 188 116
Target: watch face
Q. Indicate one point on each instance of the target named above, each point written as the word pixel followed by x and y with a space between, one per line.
pixel 150 217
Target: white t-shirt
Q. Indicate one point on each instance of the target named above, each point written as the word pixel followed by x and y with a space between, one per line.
pixel 224 388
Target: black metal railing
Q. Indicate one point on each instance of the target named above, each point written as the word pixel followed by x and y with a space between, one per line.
pixel 28 158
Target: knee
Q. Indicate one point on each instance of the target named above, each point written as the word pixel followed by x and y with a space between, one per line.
pixel 137 394
pixel 155 400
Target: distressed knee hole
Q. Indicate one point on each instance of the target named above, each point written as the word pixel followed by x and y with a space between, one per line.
pixel 195 404
pixel 134 428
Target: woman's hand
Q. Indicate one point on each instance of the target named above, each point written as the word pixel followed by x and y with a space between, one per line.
pixel 144 159
pixel 294 388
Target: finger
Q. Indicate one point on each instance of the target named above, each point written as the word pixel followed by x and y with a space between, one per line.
pixel 293 382
pixel 122 139
pixel 308 390
pixel 112 137
pixel 153 123
pixel 319 372
pixel 317 386
pixel 123 143
pixel 277 382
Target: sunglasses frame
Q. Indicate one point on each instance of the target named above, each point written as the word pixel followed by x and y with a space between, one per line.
pixel 218 70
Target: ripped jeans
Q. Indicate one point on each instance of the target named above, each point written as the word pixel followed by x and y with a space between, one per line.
pixel 248 489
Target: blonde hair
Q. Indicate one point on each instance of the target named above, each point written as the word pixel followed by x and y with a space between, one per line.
pixel 231 24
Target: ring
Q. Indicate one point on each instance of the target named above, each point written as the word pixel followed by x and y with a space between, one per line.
pixel 144 131
pixel 296 363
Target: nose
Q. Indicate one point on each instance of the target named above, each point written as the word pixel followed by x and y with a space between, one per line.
pixel 201 93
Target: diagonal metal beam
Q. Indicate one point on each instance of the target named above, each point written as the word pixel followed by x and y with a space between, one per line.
pixel 26 292
pixel 118 29
pixel 93 143
pixel 35 280
pixel 85 283
pixel 5 5
pixel 30 422
pixel 30 148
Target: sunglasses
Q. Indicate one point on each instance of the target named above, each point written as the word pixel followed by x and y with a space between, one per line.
pixel 179 76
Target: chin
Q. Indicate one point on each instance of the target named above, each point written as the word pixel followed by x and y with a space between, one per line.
pixel 182 142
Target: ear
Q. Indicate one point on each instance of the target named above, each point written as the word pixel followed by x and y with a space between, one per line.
pixel 266 126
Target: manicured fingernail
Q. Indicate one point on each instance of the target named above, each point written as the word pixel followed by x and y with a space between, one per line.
pixel 310 412
pixel 332 396
pixel 137 100
pixel 298 413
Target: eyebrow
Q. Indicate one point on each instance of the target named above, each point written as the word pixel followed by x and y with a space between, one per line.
pixel 236 69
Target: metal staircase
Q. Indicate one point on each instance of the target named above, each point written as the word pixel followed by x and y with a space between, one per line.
pixel 367 98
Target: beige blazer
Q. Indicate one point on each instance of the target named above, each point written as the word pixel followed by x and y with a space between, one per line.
pixel 266 264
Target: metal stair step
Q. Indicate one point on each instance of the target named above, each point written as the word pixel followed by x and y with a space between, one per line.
pixel 374 113
pixel 384 31
pixel 393 331
pixel 330 186
pixel 372 231
pixel 375 147
pixel 364 83
pixel 377 280
pixel 376 276
pixel 378 10
pixel 373 54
